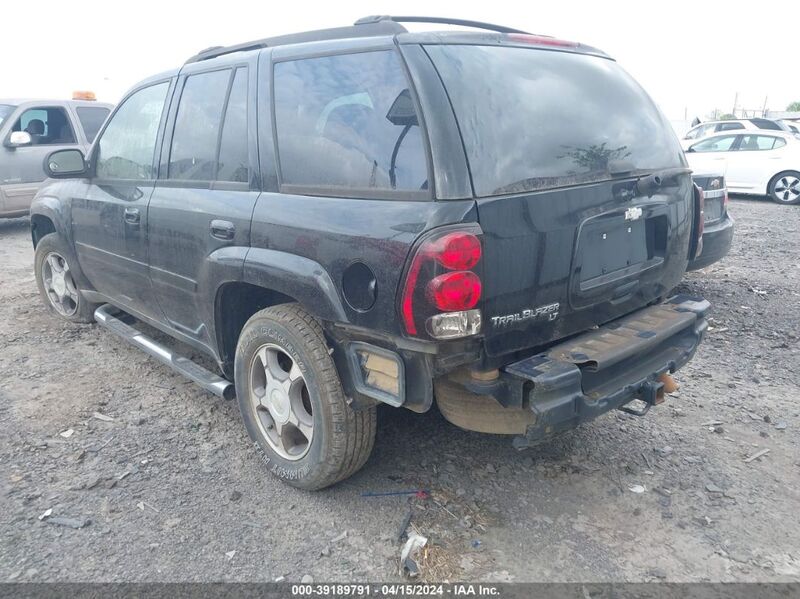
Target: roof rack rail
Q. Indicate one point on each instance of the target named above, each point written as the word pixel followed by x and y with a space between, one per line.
pixel 443 20
pixel 377 27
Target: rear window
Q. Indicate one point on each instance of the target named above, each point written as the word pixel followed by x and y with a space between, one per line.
pixel 91 118
pixel 768 124
pixel 538 119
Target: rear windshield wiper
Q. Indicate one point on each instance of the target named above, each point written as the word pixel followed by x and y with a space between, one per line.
pixel 648 184
pixel 647 181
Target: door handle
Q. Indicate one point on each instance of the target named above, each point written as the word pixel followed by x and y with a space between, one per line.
pixel 132 216
pixel 222 229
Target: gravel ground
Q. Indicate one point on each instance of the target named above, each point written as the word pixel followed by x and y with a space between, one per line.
pixel 172 489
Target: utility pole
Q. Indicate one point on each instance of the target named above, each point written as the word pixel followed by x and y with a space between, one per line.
pixel 764 110
pixel 735 102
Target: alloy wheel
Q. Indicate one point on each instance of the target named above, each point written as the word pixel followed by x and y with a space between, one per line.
pixel 59 284
pixel 787 189
pixel 279 395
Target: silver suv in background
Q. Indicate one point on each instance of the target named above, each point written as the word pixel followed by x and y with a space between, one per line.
pixel 31 129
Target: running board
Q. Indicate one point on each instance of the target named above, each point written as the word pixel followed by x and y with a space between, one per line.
pixel 106 316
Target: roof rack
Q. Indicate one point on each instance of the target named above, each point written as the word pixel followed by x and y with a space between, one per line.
pixel 373 28
pixel 441 20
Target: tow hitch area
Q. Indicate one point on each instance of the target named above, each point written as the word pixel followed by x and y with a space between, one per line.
pixel 600 370
pixel 653 394
pixel 607 368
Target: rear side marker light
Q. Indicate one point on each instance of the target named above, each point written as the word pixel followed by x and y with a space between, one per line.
pixel 407 302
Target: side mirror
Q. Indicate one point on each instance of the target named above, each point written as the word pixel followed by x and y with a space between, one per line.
pixel 19 138
pixel 63 164
pixel 690 149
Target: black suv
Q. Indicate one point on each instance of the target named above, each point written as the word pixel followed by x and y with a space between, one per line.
pixel 364 215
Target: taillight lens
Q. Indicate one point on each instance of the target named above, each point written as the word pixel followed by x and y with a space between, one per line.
pixel 455 291
pixel 458 251
pixel 442 285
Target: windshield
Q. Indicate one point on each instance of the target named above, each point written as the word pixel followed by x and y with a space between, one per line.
pixel 5 110
pixel 536 119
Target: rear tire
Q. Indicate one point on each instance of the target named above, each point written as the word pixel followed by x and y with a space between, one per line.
pixel 57 271
pixel 292 402
pixel 784 188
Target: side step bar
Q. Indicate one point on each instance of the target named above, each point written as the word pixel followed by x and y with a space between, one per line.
pixel 106 316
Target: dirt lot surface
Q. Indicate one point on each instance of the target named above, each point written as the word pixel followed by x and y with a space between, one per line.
pixel 171 488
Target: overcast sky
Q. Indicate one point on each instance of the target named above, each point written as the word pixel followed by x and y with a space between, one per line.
pixel 690 56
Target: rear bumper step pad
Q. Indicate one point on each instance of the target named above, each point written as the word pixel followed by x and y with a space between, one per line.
pixel 602 369
pixel 108 317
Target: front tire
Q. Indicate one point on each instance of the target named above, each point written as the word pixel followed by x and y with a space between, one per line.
pixel 56 271
pixel 292 403
pixel 784 188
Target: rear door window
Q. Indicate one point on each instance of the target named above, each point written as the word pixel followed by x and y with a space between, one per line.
pixel 209 141
pixel 760 142
pixel 233 158
pixel 91 118
pixel 536 119
pixel 193 155
pixel 347 125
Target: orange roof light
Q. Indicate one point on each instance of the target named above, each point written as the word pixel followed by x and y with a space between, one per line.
pixel 83 95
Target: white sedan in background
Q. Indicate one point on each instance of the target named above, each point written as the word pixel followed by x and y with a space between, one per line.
pixel 761 163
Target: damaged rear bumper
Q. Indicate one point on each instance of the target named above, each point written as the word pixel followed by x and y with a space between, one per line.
pixel 600 370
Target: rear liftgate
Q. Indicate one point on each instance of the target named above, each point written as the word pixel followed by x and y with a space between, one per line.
pixel 575 381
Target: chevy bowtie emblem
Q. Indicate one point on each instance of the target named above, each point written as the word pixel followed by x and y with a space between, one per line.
pixel 633 213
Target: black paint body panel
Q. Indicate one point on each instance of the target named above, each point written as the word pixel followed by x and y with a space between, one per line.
pixel 170 267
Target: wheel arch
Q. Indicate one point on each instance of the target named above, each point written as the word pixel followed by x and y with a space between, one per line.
pixel 235 303
pixel 48 215
pixel 269 278
pixel 41 225
pixel 777 175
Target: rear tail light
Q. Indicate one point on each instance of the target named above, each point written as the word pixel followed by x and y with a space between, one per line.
pixel 453 291
pixel 699 220
pixel 458 251
pixel 442 286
